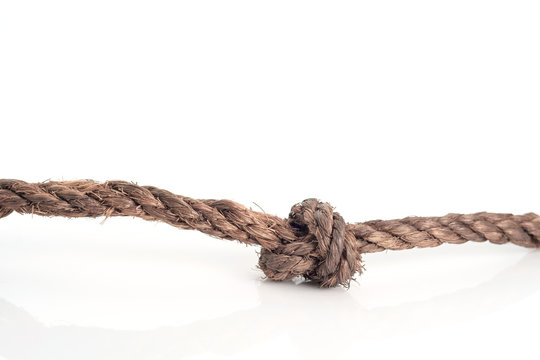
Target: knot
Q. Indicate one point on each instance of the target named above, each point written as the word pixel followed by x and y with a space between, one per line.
pixel 324 250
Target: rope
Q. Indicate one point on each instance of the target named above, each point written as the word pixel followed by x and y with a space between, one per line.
pixel 314 242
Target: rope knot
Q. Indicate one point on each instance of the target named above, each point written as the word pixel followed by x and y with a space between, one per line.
pixel 324 250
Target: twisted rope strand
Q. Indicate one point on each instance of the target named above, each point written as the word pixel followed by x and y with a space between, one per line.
pixel 314 242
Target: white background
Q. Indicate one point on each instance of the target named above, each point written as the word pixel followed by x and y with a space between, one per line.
pixel 383 108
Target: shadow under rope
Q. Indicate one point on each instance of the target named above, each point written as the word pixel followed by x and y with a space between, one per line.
pixel 291 313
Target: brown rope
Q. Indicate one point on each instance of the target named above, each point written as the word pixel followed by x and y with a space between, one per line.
pixel 314 242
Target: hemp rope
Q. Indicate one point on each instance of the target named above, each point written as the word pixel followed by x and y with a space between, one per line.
pixel 314 242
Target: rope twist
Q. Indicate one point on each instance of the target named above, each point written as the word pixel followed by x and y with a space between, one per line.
pixel 324 249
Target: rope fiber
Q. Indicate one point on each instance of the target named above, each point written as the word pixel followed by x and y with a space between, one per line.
pixel 314 241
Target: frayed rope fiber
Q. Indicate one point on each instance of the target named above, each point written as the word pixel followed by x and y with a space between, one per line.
pixel 314 242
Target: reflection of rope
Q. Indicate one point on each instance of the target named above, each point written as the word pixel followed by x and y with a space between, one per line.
pixel 314 242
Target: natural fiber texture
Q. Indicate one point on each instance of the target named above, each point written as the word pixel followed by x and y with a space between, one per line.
pixel 314 242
